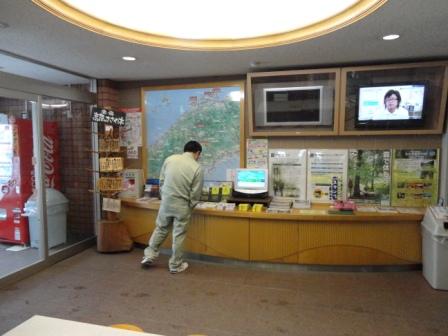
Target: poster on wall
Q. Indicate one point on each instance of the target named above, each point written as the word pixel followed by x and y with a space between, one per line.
pixel 415 177
pixel 327 175
pixel 287 173
pixel 131 132
pixel 369 176
pixel 257 153
pixel 209 113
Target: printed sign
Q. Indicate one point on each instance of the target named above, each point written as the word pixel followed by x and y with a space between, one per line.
pixel 108 116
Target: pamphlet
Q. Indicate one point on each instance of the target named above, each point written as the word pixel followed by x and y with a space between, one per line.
pixel 299 204
pixel 216 191
pixel 313 212
pixel 366 209
pixel 132 183
pixel 418 211
pixel 387 209
pixel 111 204
pixel 206 205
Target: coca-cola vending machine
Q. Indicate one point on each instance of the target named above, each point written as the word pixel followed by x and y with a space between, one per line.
pixel 17 174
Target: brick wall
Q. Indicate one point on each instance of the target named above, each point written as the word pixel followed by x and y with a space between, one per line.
pixel 107 94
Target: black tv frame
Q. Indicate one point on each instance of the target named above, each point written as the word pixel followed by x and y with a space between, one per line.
pixel 392 124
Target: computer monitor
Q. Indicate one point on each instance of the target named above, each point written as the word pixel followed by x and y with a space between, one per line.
pixel 251 182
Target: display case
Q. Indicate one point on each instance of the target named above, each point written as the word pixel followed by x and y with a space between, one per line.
pixel 293 103
pixel 393 99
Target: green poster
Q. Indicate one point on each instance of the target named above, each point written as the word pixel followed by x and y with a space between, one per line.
pixel 369 176
pixel 415 177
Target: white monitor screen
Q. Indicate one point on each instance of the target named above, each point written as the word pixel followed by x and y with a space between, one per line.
pixel 251 180
pixel 393 102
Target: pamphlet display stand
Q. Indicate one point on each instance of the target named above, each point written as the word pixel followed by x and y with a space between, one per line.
pixel 112 233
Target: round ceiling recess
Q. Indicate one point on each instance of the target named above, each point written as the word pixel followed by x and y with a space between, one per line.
pixel 205 25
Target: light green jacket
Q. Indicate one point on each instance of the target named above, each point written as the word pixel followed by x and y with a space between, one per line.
pixel 181 180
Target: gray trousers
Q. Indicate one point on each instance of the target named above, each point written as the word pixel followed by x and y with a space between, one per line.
pixel 177 218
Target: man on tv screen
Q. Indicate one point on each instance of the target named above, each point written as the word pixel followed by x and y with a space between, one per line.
pixel 392 109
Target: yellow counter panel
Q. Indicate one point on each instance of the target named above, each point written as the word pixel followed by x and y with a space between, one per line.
pixel 294 238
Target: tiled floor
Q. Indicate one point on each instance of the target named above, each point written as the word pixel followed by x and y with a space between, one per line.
pixel 11 261
pixel 225 300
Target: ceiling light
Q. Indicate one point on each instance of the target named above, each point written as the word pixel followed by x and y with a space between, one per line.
pixel 54 105
pixel 390 37
pixel 202 26
pixel 129 58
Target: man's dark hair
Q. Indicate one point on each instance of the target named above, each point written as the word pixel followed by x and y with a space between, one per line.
pixel 192 147
pixel 390 93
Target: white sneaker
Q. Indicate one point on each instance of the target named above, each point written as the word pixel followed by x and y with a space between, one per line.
pixel 146 262
pixel 181 268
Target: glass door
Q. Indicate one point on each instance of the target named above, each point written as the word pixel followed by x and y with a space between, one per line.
pixel 67 158
pixel 20 220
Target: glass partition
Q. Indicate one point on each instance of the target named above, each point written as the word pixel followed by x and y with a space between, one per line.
pixel 68 169
pixel 19 218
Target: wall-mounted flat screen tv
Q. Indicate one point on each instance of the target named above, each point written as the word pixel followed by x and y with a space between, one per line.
pixel 292 106
pixel 391 106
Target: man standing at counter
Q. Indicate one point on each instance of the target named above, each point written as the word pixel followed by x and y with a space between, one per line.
pixel 181 179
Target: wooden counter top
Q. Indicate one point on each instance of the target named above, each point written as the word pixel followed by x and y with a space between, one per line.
pixel 295 214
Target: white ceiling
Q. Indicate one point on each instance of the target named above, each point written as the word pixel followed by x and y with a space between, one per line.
pixel 36 35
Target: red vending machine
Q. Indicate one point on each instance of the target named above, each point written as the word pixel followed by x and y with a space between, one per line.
pixel 17 174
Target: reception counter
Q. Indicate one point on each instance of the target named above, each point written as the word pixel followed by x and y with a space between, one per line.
pixel 312 238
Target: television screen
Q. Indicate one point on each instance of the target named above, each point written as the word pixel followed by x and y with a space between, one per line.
pixel 399 105
pixel 293 105
pixel 251 181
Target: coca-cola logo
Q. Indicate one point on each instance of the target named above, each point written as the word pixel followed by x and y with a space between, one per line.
pixel 49 152
pixel 48 155
pixel 49 163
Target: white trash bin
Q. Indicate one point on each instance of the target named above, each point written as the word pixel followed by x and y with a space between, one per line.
pixel 57 208
pixel 435 247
